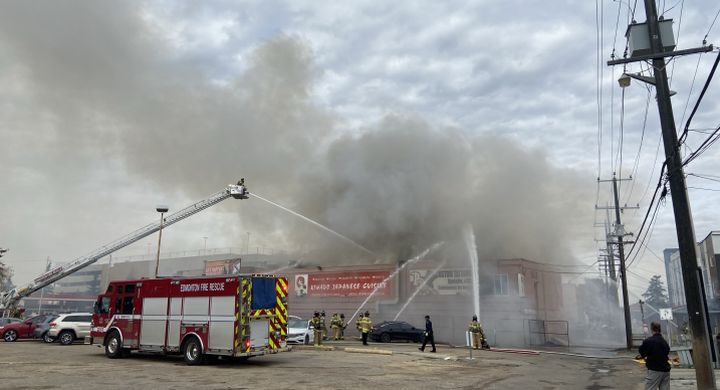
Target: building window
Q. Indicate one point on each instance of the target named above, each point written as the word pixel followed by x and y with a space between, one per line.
pixel 501 284
pixel 521 285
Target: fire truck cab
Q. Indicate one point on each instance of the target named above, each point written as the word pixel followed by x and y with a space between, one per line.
pixel 235 316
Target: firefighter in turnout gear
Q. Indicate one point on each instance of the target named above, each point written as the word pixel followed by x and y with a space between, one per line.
pixel 358 323
pixel 318 326
pixel 343 325
pixel 324 329
pixel 478 336
pixel 365 327
pixel 335 325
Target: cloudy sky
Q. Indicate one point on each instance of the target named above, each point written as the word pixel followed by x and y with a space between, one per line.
pixel 394 124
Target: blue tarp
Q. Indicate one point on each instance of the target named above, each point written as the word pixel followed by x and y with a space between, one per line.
pixel 263 293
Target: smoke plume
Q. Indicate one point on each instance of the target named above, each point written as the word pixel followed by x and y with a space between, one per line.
pixel 102 88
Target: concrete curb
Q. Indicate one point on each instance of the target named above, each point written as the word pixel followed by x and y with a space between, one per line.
pixel 373 351
pixel 314 348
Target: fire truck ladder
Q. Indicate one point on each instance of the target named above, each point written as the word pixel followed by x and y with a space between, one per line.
pixel 10 299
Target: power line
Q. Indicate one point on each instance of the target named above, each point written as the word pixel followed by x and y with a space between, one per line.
pixel 704 177
pixel 692 85
pixel 677 38
pixel 704 189
pixel 670 9
pixel 599 73
pixel 636 164
pixel 700 98
pixel 621 129
pixel 711 26
pixel 704 146
pixel 661 184
pixel 648 234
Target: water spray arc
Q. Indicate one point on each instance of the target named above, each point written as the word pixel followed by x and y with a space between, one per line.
pixel 321 226
pixel 422 255
pixel 418 289
pixel 469 237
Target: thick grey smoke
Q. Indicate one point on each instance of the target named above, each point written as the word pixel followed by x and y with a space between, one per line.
pixel 99 86
pixel 404 184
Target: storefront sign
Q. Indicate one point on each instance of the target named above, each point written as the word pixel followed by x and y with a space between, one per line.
pixel 343 284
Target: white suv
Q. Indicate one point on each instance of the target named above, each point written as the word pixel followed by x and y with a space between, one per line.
pixel 70 327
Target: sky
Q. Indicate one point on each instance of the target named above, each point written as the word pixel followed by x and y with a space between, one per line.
pixel 395 124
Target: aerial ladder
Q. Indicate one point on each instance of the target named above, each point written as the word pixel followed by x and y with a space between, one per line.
pixel 10 299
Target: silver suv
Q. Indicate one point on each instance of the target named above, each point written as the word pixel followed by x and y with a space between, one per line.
pixel 70 327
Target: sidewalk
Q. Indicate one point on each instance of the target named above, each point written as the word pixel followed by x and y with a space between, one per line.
pixel 684 378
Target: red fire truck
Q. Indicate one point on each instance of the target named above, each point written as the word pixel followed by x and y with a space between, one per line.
pixel 234 316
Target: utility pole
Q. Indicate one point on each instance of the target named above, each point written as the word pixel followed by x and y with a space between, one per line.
pixel 619 235
pixel 681 207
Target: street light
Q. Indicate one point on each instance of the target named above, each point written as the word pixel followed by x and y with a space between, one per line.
pixel 162 210
pixel 625 79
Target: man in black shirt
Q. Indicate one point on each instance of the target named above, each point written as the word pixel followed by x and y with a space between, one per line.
pixel 428 335
pixel 655 350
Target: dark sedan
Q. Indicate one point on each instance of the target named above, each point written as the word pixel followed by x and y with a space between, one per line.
pixel 389 331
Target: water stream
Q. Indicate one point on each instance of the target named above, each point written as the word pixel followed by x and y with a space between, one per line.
pixel 469 237
pixel 418 289
pixel 321 226
pixel 422 255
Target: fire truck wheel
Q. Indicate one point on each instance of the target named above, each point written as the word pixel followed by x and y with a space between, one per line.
pixel 66 337
pixel 192 352
pixel 113 346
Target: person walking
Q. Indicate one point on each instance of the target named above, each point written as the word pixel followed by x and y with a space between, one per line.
pixel 655 350
pixel 366 327
pixel 428 335
pixel 317 328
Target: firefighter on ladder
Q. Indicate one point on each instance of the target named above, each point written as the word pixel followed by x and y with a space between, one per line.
pixel 478 336
pixel 318 326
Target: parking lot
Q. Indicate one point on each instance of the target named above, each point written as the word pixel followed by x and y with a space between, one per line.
pixel 35 365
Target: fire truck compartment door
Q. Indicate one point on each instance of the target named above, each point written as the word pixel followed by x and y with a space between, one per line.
pixel 263 293
pixel 173 337
pixel 222 322
pixel 259 331
pixel 154 315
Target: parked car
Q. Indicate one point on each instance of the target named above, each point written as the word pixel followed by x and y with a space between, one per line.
pixel 388 331
pixel 41 331
pixel 70 327
pixel 300 331
pixel 9 320
pixel 20 330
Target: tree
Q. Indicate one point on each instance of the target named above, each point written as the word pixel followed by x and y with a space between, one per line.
pixel 655 294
